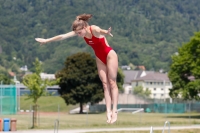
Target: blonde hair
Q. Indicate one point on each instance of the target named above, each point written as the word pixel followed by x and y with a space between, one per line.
pixel 81 21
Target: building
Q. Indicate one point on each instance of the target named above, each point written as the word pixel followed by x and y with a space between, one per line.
pixel 158 83
pixel 47 76
pixel 131 75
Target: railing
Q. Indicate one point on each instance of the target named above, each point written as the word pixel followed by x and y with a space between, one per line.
pixel 167 122
pixel 56 126
pixel 165 126
pixel 134 110
pixel 151 130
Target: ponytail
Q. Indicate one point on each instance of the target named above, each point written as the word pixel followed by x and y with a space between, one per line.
pixel 84 17
pixel 81 21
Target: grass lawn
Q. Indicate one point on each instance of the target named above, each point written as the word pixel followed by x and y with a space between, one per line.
pixel 49 113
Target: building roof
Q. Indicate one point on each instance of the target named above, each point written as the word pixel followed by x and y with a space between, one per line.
pixel 131 75
pixel 11 74
pixel 155 76
pixel 142 68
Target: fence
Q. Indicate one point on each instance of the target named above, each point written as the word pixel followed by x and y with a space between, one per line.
pixel 155 107
pixel 8 99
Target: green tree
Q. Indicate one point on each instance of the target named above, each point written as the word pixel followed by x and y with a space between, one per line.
pixel 185 70
pixel 5 79
pixel 138 90
pixel 79 80
pixel 120 79
pixel 37 87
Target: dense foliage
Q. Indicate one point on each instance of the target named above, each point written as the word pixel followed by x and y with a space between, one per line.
pixel 185 70
pixel 145 32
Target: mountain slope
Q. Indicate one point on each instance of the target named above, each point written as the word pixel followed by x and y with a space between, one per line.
pixel 145 32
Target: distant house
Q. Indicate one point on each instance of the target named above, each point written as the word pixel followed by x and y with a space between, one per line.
pixel 24 68
pixel 11 73
pixel 158 83
pixel 47 76
pixel 131 75
pixel 125 67
pixel 141 68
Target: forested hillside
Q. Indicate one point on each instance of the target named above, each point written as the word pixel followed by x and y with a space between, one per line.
pixel 146 32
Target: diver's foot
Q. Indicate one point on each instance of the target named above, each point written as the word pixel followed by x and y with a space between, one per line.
pixel 114 117
pixel 109 114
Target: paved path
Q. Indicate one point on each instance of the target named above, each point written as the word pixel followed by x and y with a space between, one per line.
pixel 107 129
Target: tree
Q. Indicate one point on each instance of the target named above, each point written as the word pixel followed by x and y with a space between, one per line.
pixel 79 80
pixel 5 80
pixel 37 87
pixel 185 70
pixel 138 90
pixel 120 79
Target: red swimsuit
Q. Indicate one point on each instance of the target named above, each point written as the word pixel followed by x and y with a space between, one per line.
pixel 99 46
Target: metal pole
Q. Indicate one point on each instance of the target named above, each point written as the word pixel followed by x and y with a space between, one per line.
pixel 164 90
pixel 127 99
pixel 18 92
pixel 38 113
pixel 58 110
pixel 16 101
pixel 56 122
pixel 1 96
pixel 56 126
pixel 87 118
pixel 11 96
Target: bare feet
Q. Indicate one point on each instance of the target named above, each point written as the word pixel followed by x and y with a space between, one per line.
pixel 114 117
pixel 109 114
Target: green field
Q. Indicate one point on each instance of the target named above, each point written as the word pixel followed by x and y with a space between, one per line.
pixel 49 113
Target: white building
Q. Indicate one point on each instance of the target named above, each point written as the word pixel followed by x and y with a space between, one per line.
pixel 131 75
pixel 24 68
pixel 158 83
pixel 47 76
